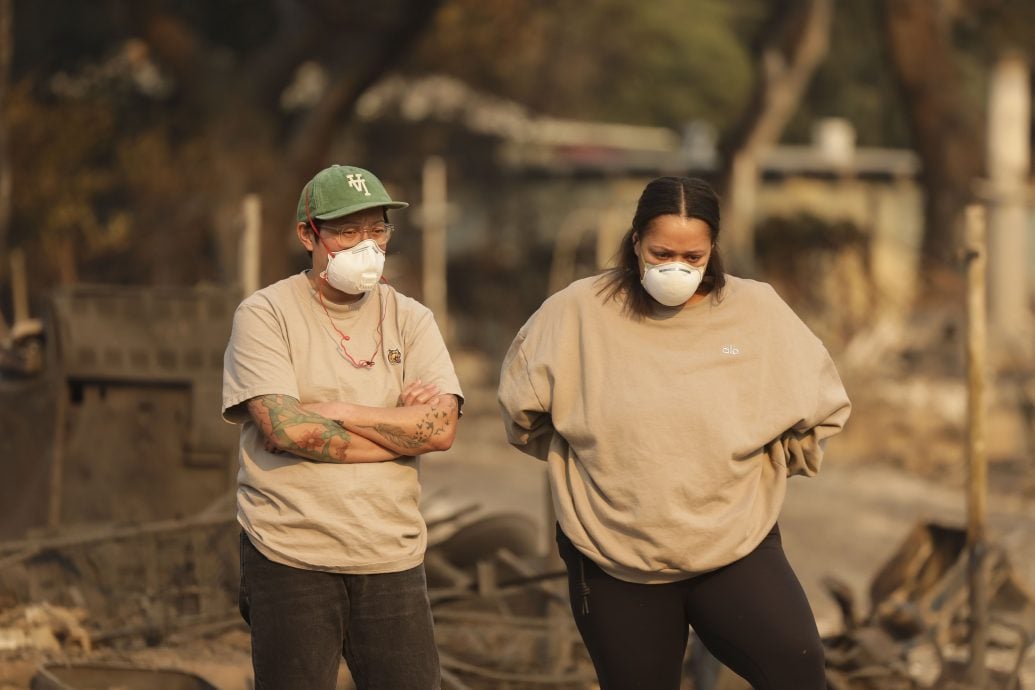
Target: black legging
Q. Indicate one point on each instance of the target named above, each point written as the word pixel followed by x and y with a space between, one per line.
pixel 751 614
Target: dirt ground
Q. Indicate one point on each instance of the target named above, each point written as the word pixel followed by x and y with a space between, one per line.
pixel 883 476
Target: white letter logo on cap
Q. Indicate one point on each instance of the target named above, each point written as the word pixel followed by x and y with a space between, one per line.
pixel 357 182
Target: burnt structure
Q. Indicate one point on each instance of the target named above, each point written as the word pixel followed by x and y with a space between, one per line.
pixel 122 423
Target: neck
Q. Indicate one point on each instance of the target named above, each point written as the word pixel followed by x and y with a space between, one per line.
pixel 699 296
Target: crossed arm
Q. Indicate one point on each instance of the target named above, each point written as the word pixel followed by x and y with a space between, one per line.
pixel 342 432
pixel 423 422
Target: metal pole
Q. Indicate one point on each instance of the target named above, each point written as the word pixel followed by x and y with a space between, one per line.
pixel 977 470
pixel 433 215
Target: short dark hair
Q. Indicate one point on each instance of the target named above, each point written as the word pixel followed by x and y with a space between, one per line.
pixel 686 197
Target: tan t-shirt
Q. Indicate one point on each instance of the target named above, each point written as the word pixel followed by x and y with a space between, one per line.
pixel 669 440
pixel 348 518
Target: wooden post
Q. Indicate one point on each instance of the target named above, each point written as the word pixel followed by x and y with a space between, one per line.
pixel 19 286
pixel 433 214
pixel 977 470
pixel 251 245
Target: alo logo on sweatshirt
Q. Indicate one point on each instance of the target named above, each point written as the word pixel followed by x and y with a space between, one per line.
pixel 730 350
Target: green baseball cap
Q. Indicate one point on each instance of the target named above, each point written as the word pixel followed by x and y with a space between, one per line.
pixel 340 190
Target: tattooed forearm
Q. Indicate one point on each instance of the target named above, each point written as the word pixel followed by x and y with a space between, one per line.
pixel 398 436
pixel 418 437
pixel 294 430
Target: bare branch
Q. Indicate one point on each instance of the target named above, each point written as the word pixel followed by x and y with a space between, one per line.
pixel 272 68
pixel 314 136
pixel 795 44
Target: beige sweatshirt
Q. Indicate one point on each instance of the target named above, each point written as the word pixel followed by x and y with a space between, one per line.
pixel 669 440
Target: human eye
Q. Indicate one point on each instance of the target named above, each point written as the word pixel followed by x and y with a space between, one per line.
pixel 378 230
pixel 348 233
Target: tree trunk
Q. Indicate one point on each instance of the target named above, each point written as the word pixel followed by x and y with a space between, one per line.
pixel 947 130
pixel 307 151
pixel 791 46
pixel 236 100
pixel 6 51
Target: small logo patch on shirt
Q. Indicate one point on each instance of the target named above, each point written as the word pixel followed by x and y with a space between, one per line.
pixel 395 356
pixel 730 350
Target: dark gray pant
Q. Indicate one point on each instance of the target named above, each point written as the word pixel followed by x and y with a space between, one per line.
pixel 751 614
pixel 303 621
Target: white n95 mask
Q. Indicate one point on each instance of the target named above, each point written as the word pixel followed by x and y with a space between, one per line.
pixel 671 283
pixel 356 270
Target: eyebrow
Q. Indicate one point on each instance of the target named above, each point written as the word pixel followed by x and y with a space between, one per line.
pixel 663 248
pixel 352 224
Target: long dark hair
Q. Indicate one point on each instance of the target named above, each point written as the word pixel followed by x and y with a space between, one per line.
pixel 686 197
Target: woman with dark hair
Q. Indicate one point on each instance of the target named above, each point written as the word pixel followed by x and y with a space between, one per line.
pixel 671 402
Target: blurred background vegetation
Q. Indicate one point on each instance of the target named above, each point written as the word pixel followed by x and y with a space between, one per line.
pixel 132 129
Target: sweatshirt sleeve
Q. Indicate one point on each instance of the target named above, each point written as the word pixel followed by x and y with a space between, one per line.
pixel 802 446
pixel 525 410
pixel 813 397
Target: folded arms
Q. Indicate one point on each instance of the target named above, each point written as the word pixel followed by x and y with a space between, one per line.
pixel 423 421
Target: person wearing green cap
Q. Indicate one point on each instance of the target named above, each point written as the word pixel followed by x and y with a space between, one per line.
pixel 340 384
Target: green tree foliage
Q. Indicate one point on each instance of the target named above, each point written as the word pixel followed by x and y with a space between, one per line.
pixel 657 63
pixel 137 127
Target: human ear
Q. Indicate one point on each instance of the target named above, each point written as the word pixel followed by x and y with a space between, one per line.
pixel 305 236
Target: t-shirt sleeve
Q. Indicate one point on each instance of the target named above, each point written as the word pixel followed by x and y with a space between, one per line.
pixel 256 361
pixel 427 358
pixel 524 406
